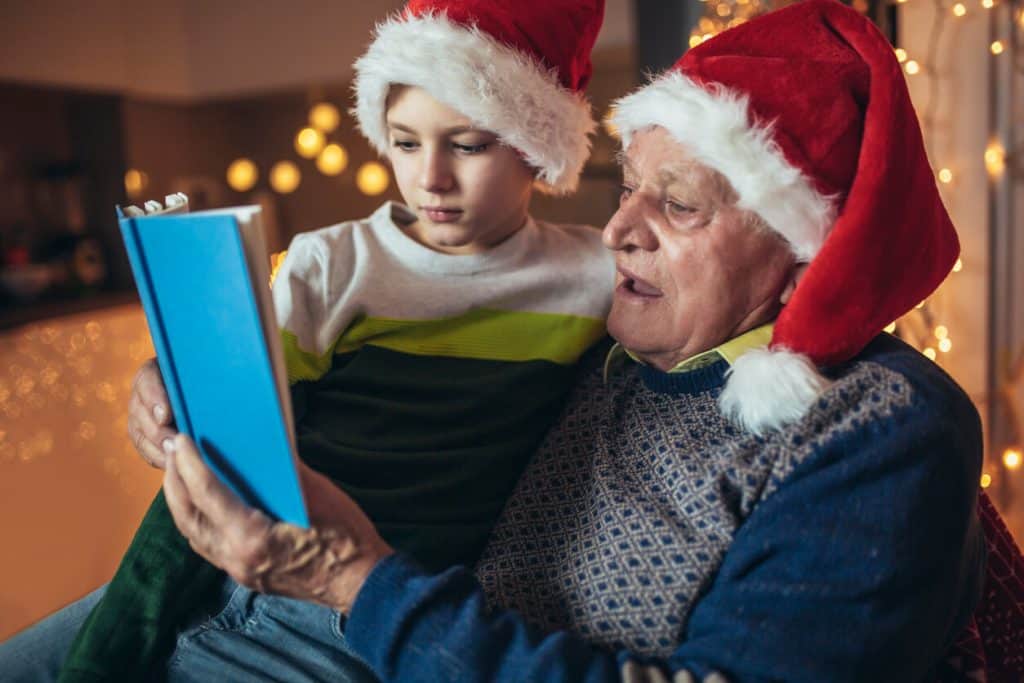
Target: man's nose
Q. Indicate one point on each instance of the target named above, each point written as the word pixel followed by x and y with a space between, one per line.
pixel 628 227
pixel 436 171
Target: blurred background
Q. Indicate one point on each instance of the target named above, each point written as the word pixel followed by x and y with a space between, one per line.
pixel 108 102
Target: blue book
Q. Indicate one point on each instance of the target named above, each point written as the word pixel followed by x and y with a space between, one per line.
pixel 204 284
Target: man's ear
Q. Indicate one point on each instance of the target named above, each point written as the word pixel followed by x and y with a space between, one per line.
pixel 795 276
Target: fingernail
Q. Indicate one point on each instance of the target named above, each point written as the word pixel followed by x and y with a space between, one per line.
pixel 159 412
pixel 168 446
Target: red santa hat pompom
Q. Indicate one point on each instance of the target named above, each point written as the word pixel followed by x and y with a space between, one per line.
pixel 805 110
pixel 517 69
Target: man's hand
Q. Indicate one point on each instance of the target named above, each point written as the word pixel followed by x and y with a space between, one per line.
pixel 150 423
pixel 327 563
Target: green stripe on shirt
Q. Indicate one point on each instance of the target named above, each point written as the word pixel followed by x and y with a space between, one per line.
pixel 481 334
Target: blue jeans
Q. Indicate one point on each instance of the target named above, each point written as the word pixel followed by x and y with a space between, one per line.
pixel 253 637
pixel 35 655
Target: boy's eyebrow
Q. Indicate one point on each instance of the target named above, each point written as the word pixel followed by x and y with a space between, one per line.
pixel 455 130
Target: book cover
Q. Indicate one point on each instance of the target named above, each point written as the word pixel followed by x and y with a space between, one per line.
pixel 203 282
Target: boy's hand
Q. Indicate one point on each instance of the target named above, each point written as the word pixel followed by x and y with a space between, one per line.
pixel 150 423
pixel 327 563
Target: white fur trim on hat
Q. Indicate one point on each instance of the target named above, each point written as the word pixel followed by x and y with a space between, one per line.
pixel 766 390
pixel 715 126
pixel 497 87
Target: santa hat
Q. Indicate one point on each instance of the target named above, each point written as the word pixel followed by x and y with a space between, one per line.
pixel 517 69
pixel 805 110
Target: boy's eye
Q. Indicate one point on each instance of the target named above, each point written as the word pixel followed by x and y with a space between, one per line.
pixel 406 145
pixel 471 149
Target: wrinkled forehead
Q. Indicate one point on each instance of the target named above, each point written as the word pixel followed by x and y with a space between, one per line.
pixel 654 157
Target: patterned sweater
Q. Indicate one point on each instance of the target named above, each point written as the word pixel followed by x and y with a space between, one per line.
pixel 842 548
pixel 421 383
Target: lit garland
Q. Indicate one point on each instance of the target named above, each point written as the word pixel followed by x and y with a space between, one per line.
pixel 921 327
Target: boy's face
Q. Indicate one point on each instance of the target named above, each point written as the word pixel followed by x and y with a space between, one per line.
pixel 469 191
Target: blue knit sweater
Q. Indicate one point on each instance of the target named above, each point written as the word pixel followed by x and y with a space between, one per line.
pixel 843 548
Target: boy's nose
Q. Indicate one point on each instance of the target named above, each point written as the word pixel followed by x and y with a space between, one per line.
pixel 436 173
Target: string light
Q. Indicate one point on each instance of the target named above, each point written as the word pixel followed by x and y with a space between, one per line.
pixel 242 175
pixel 995 159
pixel 332 160
pixel 958 266
pixel 309 142
pixel 135 183
pixel 912 67
pixel 325 117
pixel 929 353
pixel 285 177
pixel 891 327
pixel 941 332
pixel 996 47
pixel 372 178
pixel 945 345
pixel 988 4
pixel 901 55
pixel 986 480
pixel 959 10
pixel 1012 458
pixel 945 176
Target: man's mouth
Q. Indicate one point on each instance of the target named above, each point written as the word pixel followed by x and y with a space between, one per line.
pixel 636 286
pixel 441 214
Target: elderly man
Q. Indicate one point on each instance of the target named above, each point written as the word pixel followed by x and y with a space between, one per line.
pixel 755 484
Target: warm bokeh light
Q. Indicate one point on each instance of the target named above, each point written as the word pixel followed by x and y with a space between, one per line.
pixel 608 123
pixel 309 142
pixel 959 9
pixel 945 345
pixel 372 178
pixel 986 480
pixel 891 327
pixel 913 68
pixel 919 306
pixel 901 55
pixel 242 175
pixel 135 182
pixel 929 353
pixel 1012 458
pixel 945 175
pixel 285 177
pixel 941 332
pixel 275 264
pixel 325 117
pixel 995 159
pixel 332 160
pixel 958 266
pixel 694 41
pixel 988 4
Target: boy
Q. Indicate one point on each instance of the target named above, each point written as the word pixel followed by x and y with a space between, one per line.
pixel 428 346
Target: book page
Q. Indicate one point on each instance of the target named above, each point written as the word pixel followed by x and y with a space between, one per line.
pixel 254 244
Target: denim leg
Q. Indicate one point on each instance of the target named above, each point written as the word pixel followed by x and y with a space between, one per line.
pixel 36 654
pixel 267 638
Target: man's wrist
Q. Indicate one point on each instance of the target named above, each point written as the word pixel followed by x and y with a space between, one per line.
pixel 350 580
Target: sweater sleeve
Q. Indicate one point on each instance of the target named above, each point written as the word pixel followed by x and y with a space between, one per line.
pixel 862 565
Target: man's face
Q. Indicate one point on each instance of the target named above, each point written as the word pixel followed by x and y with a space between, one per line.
pixel 694 270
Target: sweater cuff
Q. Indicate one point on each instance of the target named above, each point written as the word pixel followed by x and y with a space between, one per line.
pixel 379 600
